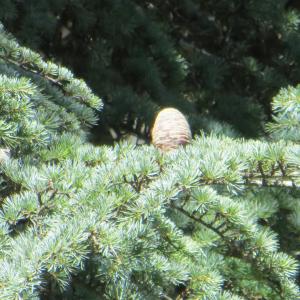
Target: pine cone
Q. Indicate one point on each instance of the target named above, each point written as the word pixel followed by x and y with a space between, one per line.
pixel 170 130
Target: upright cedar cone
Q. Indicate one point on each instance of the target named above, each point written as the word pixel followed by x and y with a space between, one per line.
pixel 170 130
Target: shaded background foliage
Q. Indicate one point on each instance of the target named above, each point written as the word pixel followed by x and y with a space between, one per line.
pixel 221 60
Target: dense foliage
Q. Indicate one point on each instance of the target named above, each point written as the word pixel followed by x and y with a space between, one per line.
pixel 216 59
pixel 219 219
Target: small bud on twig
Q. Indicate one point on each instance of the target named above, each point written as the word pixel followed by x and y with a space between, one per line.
pixel 4 154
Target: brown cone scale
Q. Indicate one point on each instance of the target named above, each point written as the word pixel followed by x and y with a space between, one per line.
pixel 170 130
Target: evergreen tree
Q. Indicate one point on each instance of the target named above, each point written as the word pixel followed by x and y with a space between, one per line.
pixel 216 59
pixel 218 219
